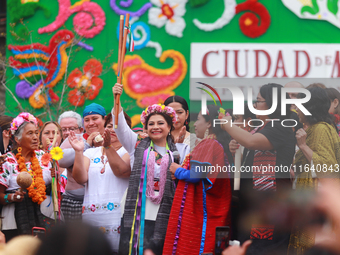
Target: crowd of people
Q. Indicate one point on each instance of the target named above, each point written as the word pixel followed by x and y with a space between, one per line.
pixel 138 191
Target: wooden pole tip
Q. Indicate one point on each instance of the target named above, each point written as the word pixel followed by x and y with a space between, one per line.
pixel 122 17
pixel 116 126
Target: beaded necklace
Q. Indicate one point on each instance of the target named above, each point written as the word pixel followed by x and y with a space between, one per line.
pixel 150 191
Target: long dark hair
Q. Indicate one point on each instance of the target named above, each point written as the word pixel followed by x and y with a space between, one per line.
pixel 5 124
pixel 318 106
pixel 333 94
pixel 266 92
pixel 221 135
pixel 183 102
pixel 167 118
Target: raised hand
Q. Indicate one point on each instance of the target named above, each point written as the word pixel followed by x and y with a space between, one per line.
pixel 181 135
pixel 76 143
pixel 117 89
pixel 107 138
pixel 301 136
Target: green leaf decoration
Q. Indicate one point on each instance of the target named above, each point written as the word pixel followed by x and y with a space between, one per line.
pixel 195 3
pixel 332 6
pixel 312 10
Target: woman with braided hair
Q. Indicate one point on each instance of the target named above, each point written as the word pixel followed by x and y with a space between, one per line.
pixel 21 211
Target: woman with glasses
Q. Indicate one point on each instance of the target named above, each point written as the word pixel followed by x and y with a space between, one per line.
pixel 272 145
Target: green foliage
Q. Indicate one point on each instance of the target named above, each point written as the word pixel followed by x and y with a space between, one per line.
pixel 332 6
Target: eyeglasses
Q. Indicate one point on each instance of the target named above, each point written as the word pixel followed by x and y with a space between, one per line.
pixel 69 129
pixel 256 102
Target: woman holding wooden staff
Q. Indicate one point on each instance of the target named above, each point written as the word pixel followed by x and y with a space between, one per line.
pixel 21 211
pixel 151 189
pixel 268 147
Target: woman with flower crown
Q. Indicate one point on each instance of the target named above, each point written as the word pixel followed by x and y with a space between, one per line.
pixel 151 189
pixel 21 211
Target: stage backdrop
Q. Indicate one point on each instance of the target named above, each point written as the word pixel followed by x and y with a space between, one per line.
pixel 62 54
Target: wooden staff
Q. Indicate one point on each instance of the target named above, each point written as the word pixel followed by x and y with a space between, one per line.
pixel 121 55
pixel 237 176
pixel 54 182
pixel 121 29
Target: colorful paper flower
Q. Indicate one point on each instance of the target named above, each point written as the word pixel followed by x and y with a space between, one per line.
pixel 89 19
pixel 148 84
pixel 158 108
pixel 93 208
pixel 168 13
pixel 45 159
pixel 20 119
pixel 87 85
pixel 57 153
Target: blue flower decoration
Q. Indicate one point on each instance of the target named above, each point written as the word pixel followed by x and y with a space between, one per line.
pixel 96 160
pixel 110 206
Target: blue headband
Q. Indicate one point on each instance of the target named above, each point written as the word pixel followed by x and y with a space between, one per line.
pixel 94 109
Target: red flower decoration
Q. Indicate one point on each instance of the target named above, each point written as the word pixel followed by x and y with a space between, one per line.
pixel 45 159
pixel 250 24
pixel 10 160
pixel 86 85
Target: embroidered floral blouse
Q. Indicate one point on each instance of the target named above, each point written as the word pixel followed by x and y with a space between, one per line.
pixel 10 170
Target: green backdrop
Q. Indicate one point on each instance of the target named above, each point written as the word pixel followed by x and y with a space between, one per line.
pixel 285 27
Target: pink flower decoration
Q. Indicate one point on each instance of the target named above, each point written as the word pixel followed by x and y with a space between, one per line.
pixel 159 109
pixel 20 119
pixel 88 21
pixel 93 208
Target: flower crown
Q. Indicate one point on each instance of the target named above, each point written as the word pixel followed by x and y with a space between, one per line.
pixel 20 119
pixel 158 108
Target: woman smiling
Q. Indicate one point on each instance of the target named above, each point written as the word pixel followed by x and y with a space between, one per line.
pixel 151 189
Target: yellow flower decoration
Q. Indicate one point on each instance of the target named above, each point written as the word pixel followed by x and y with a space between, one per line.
pixel 163 106
pixel 57 153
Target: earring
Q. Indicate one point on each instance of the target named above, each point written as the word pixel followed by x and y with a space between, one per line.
pixel 186 122
pixel 206 133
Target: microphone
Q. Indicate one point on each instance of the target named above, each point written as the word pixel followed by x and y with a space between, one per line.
pixel 176 156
